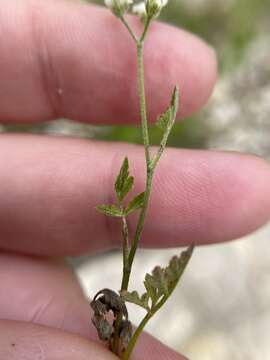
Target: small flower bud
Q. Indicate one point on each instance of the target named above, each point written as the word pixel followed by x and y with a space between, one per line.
pixel 139 10
pixel 118 7
pixel 154 7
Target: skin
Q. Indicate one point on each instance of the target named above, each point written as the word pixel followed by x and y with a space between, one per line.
pixel 49 186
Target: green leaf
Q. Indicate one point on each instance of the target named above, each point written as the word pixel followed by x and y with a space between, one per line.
pixel 127 186
pixel 135 204
pixel 110 210
pixel 134 298
pixel 162 282
pixel 122 177
pixel 151 289
pixel 124 182
pixel 161 278
pixel 152 281
pixel 166 120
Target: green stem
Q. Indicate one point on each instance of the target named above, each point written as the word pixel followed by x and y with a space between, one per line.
pixel 133 35
pixel 142 216
pixel 140 328
pixel 125 232
pixel 128 257
pixel 149 180
pixel 135 336
pixel 149 169
pixel 146 27
pixel 144 123
pixel 125 249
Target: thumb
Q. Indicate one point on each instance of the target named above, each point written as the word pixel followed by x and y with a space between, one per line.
pixel 20 340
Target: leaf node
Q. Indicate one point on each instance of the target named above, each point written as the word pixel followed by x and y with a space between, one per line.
pixel 160 284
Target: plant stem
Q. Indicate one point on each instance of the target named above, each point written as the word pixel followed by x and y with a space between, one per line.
pixel 135 336
pixel 128 256
pixel 115 342
pixel 146 27
pixel 125 244
pixel 140 328
pixel 124 21
pixel 144 123
pixel 149 168
pixel 157 306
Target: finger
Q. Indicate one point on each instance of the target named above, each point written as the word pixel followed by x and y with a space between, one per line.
pixel 42 291
pixel 21 340
pixel 47 293
pixel 149 348
pixel 69 59
pixel 50 187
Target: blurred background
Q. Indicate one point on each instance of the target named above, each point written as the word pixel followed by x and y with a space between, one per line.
pixel 221 310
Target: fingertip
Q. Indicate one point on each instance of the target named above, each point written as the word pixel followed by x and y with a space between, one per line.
pixel 255 174
pixel 27 341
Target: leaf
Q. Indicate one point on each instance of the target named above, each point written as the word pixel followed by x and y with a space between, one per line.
pixel 124 182
pixel 122 178
pixel 151 289
pixel 134 298
pixel 161 277
pixel 127 186
pixel 166 120
pixel 135 204
pixel 110 210
pixel 175 100
pixel 161 283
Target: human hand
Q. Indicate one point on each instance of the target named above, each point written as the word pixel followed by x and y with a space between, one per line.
pixel 67 59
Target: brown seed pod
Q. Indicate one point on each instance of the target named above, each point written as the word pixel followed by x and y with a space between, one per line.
pixel 105 301
pixel 112 301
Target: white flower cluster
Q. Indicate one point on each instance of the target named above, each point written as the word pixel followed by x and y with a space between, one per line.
pixel 141 8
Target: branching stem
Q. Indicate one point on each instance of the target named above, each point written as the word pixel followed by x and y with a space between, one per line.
pixel 140 328
pixel 132 33
pixel 149 168
pixel 129 254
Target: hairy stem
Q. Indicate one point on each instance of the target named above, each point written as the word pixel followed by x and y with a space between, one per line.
pixel 128 262
pixel 149 169
pixel 144 123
